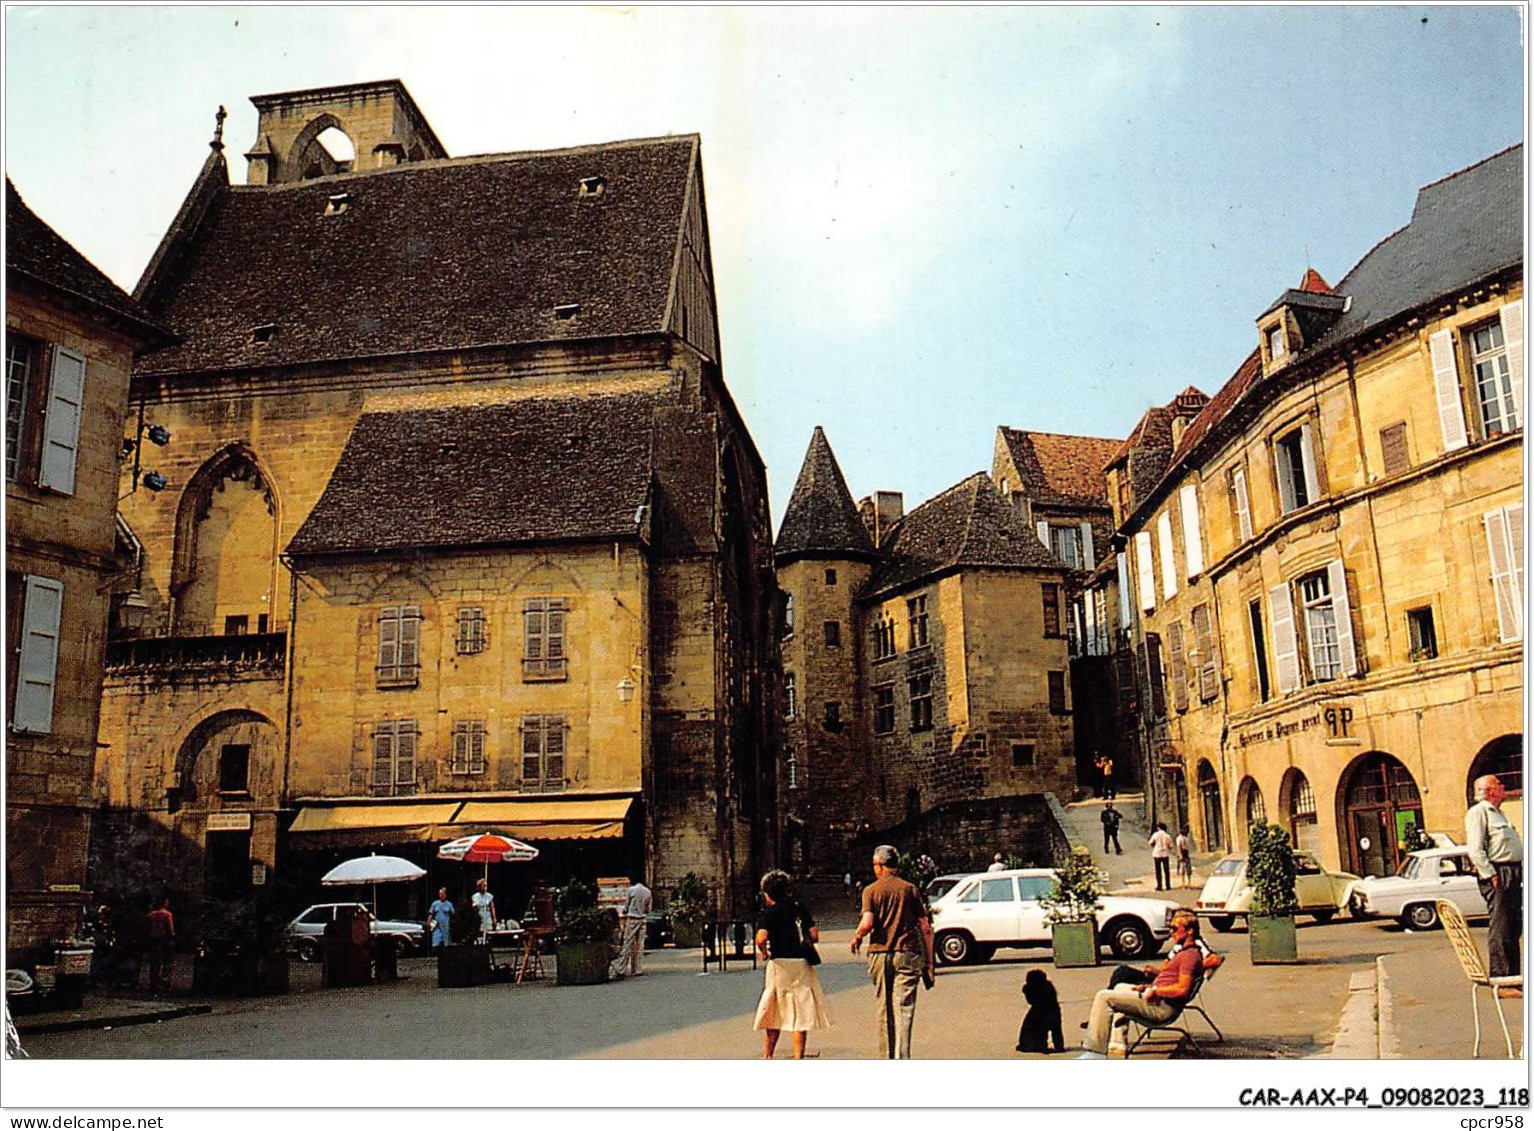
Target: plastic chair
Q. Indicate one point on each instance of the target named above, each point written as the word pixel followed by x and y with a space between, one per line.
pixel 1192 1005
pixel 1469 955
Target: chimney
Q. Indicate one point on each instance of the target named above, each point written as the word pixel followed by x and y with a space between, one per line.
pixel 880 512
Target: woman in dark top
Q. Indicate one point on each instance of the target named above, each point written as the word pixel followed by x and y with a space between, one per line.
pixel 792 998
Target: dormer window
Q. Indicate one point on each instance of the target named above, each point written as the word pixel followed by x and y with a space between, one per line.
pixel 337 203
pixel 565 311
pixel 263 333
pixel 593 186
pixel 1275 342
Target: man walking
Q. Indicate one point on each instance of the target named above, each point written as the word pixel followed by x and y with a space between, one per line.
pixel 635 917
pixel 1161 856
pixel 160 926
pixel 899 934
pixel 1497 853
pixel 1111 819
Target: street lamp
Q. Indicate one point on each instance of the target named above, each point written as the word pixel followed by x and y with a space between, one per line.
pixel 625 690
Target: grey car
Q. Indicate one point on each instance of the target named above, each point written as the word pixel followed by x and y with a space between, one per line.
pixel 306 933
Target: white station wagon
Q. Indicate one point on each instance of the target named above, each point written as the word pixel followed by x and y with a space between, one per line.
pixel 1426 875
pixel 987 910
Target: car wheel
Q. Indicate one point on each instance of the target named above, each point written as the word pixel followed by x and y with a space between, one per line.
pixel 1324 916
pixel 1222 922
pixel 308 950
pixel 1356 908
pixel 1420 917
pixel 1128 938
pixel 954 948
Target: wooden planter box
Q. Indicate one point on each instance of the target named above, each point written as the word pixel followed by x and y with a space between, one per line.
pixel 1273 939
pixel 459 967
pixel 686 936
pixel 583 963
pixel 1075 944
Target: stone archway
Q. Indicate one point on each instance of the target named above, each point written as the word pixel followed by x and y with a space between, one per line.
pixel 1501 756
pixel 1250 807
pixel 1377 797
pixel 1297 804
pixel 1213 828
pixel 311 158
pixel 223 568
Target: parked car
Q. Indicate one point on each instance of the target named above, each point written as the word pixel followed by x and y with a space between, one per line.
pixel 306 933
pixel 1227 896
pixel 1426 875
pixel 939 886
pixel 987 910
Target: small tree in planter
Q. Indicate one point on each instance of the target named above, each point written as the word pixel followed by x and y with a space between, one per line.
pixel 241 948
pixel 465 961
pixel 688 908
pixel 1071 908
pixel 1270 872
pixel 583 937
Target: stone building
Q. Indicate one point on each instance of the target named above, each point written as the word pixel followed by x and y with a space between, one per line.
pixel 70 338
pixel 1329 569
pixel 463 531
pixel 924 664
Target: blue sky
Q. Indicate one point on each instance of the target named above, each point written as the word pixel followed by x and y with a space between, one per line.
pixel 926 222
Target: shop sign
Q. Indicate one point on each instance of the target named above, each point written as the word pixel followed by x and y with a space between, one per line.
pixel 1335 721
pixel 228 822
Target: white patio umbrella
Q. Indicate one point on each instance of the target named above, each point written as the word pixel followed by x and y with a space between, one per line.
pixel 372 870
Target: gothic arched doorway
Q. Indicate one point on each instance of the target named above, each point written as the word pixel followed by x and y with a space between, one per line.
pixel 1504 757
pixel 1377 799
pixel 1209 803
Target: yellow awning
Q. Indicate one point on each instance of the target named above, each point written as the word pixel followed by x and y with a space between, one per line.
pixel 573 818
pixel 400 821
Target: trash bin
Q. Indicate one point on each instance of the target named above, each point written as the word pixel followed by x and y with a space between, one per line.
pixel 347 960
pixel 385 958
pixel 73 963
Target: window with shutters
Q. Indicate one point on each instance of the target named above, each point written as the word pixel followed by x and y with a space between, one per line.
pixel 1493 380
pixel 1192 534
pixel 790 695
pixel 1051 609
pixel 468 748
pixel 1056 684
pixel 21 358
pixel 1177 666
pixel 1207 660
pixel 543 753
pixel 1065 544
pixel 543 639
pixel 920 687
pixel 37 657
pixel 916 612
pixel 884 709
pixel 1422 636
pixel 833 630
pixel 1295 466
pixel 1504 542
pixel 394 752
pixel 399 646
pixel 61 422
pixel 883 634
pixel 1240 505
pixel 1393 451
pixel 471 630
pixel 1155 680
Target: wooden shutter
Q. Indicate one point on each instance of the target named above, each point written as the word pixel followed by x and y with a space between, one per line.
pixel 1168 557
pixel 61 423
pixel 1154 675
pixel 1342 613
pixel 388 639
pixel 1243 505
pixel 1051 595
pixel 1121 563
pixel 1043 529
pixel 460 748
pixel 1192 538
pixel 1089 551
pixel 532 751
pixel 477 763
pixel 383 756
pixel 1512 342
pixel 1089 623
pixel 1502 543
pixel 1147 571
pixel 1309 469
pixel 1286 645
pixel 554 630
pixel 404 756
pixel 1208 653
pixel 38 659
pixel 534 631
pixel 1451 410
pixel 409 638
pixel 1177 663
pixel 554 751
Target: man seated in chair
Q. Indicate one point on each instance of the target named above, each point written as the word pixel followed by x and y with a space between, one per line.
pixel 1157 1003
pixel 1126 975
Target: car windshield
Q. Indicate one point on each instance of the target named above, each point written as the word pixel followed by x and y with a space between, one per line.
pixel 1229 866
pixel 939 888
pixel 1410 867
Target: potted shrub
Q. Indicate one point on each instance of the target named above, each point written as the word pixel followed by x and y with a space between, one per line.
pixel 1270 872
pixel 688 908
pixel 465 961
pixel 1070 909
pixel 584 937
pixel 241 950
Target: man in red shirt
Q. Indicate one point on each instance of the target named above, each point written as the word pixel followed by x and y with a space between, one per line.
pixel 160 925
pixel 1160 1001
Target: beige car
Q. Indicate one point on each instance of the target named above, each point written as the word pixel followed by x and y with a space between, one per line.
pixel 1227 896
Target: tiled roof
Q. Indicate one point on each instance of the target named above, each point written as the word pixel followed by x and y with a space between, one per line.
pixel 1060 469
pixel 431 255
pixel 533 470
pixel 821 518
pixel 1154 430
pixel 968 525
pixel 35 250
pixel 1314 284
pixel 1221 403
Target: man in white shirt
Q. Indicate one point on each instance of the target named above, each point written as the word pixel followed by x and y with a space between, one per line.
pixel 1497 853
pixel 1161 856
pixel 997 864
pixel 635 914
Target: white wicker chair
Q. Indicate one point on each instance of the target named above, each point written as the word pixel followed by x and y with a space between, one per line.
pixel 1469 955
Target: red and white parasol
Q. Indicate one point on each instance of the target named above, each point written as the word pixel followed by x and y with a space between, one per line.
pixel 486 848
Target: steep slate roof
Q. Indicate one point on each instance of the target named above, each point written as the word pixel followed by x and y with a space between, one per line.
pixel 36 251
pixel 821 519
pixel 968 525
pixel 535 470
pixel 1059 469
pixel 431 255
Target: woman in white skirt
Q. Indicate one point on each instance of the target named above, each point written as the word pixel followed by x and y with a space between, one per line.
pixel 792 998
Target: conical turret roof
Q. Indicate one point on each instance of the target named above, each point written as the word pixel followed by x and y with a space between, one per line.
pixel 822 520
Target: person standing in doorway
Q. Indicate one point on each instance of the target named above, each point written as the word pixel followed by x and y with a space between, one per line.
pixel 900 957
pixel 1111 819
pixel 484 903
pixel 1497 853
pixel 1184 858
pixel 160 926
pixel 1161 856
pixel 636 913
